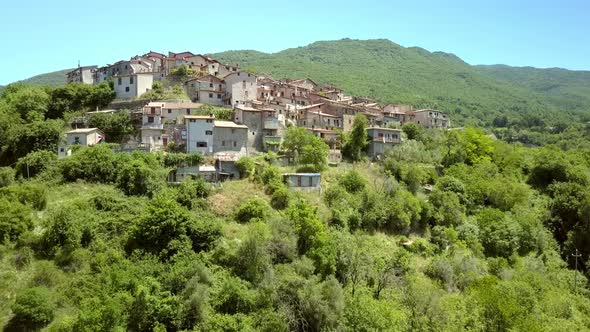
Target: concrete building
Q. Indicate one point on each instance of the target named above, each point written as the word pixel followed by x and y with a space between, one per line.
pixel 173 112
pixel 303 181
pixel 209 136
pixel 431 118
pixel 81 136
pixel 381 139
pixel 132 85
pixel 241 87
pixel 199 133
pixel 82 75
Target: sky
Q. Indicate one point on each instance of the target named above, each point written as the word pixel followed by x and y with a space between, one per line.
pixel 40 36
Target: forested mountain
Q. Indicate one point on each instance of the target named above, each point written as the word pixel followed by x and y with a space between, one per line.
pixel 394 74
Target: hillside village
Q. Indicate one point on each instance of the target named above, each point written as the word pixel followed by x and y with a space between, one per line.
pixel 262 107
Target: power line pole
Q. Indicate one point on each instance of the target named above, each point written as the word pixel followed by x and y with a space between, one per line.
pixel 576 255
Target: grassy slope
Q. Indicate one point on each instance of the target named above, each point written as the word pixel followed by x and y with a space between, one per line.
pixel 391 73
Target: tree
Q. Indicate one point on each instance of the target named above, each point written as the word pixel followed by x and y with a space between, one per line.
pixel 115 126
pixel 315 153
pixel 357 140
pixel 413 131
pixel 137 178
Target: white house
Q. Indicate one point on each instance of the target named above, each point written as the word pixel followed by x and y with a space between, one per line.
pixel 82 136
pixel 132 85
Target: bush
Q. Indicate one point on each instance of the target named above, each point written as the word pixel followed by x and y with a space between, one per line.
pixel 35 163
pixel 137 178
pixel 6 176
pixel 253 210
pixel 33 195
pixel 64 231
pixel 33 308
pixel 189 190
pixel 353 182
pixel 245 166
pixel 280 198
pixel 15 219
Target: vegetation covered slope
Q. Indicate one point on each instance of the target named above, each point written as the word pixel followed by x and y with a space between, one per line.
pixel 391 73
pixel 563 87
pixel 55 78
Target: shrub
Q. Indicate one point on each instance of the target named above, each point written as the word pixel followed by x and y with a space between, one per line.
pixel 33 195
pixel 33 308
pixel 6 176
pixel 353 182
pixel 252 210
pixel 280 198
pixel 34 163
pixel 137 178
pixel 245 166
pixel 63 232
pixel 191 189
pixel 15 219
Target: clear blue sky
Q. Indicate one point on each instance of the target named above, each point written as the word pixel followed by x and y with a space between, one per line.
pixel 42 36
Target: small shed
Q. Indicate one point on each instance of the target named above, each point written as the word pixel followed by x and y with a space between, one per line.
pixel 304 181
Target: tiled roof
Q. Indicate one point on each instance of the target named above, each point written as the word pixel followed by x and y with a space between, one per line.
pixel 228 124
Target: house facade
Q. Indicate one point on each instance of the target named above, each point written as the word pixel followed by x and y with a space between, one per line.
pixel 381 139
pixel 430 118
pixel 132 85
pixel 81 136
pixel 82 75
pixel 241 87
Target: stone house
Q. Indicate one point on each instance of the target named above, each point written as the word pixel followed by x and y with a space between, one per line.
pixel 132 85
pixel 82 75
pixel 208 136
pixel 262 124
pixel 207 89
pixel 241 87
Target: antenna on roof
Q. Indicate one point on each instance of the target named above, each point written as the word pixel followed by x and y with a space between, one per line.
pixel 78 63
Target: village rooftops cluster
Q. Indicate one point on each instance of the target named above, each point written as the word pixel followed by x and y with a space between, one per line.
pixel 262 107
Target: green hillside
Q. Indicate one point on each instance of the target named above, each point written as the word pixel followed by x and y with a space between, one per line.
pixel 55 78
pixel 570 89
pixel 392 73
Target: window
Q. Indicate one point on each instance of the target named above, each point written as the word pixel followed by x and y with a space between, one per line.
pixel 219 96
pixel 253 133
pixel 153 109
pixel 125 66
pixel 76 140
pixel 235 144
pixel 150 119
pixel 208 132
pixel 188 111
pixel 201 144
pixel 192 120
pixel 210 85
pixel 233 131
pixel 119 81
pixel 210 95
pixel 169 111
pixel 126 89
pixel 219 86
pixel 222 143
pixel 209 121
pixel 238 73
pixel 61 149
pixel 130 79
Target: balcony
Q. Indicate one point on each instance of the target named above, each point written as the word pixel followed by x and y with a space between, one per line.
pixel 384 139
pixel 271 123
pixel 152 111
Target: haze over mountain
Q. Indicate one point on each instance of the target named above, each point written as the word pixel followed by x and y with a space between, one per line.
pixel 391 73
